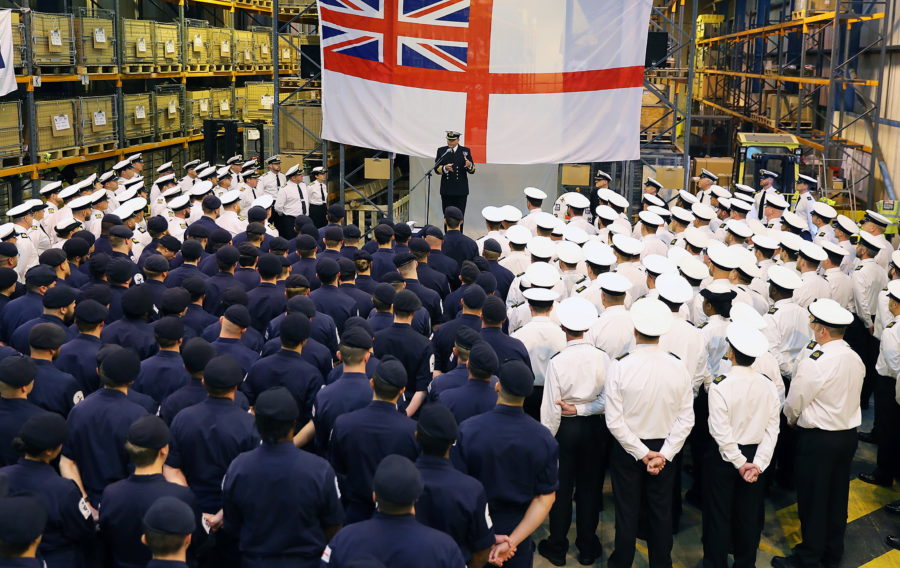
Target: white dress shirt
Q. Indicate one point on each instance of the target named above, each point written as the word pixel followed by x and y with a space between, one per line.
pixel 516 262
pixel 787 329
pixel 317 192
pixel 186 184
pixel 583 224
pixel 803 209
pixel 270 182
pixel 177 227
pixel 648 397
pixel 248 195
pixel 635 274
pixel 28 255
pixel 744 409
pixel 530 221
pixel 841 287
pixel 232 222
pixel 689 343
pixel 888 364
pixel 613 332
pixel 292 200
pixel 543 339
pixel 825 391
pixel 520 315
pixel 766 364
pixel 713 330
pixel 575 375
pixel 868 279
pixel 812 288
pixel 825 234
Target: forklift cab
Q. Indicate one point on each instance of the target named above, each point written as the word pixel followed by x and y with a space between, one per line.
pixel 779 153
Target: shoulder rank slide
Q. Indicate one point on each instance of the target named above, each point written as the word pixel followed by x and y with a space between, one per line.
pixel 719 379
pixel 815 354
pixel 812 344
pixel 772 310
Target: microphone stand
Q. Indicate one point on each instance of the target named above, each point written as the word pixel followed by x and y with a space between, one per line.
pixel 428 185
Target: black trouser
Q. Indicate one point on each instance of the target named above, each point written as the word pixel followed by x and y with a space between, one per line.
pixel 700 443
pixel 285 226
pixel 823 485
pixel 733 512
pixel 533 402
pixel 317 214
pixel 887 416
pixel 582 463
pixel 455 201
pixel 636 491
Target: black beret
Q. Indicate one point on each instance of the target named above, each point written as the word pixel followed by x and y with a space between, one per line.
pixel 220 236
pixel 46 336
pixel 276 404
pixel 492 245
pixel 305 242
pixel 516 378
pixel 357 321
pixel 406 301
pixel 170 243
pixel 334 233
pixel 170 515
pixel 85 236
pixel 211 202
pixel 22 519
pixel 238 315
pixel 228 255
pixel 196 353
pixel 169 327
pixel 198 231
pixel 17 370
pixel 327 268
pixel 383 232
pixel 469 271
pixel 466 337
pixel 149 432
pixel 391 371
pixel 191 250
pixel 384 293
pixel 157 224
pixel 195 285
pixel 484 357
pixel 174 300
pixel 420 245
pixel 52 257
pixel 347 267
pixel 481 263
pixel 356 337
pixel 474 297
pixel 392 277
pixel 110 218
pixel 336 212
pixel 8 277
pixel 59 296
pixel 120 270
pixel 432 231
pixel 453 213
pixel 402 230
pixel 121 366
pixel 137 301
pixel 255 228
pixel 269 266
pixel 301 221
pixel 352 232
pixel 44 431
pixel 156 263
pixel 248 249
pixel 121 231
pixel 403 259
pixel 235 295
pixel 494 309
pixel 362 255
pixel 223 372
pixel 91 311
pixel 278 243
pixel 76 247
pixel 8 249
pixel 40 275
pixel 296 281
pixel 436 421
pixel 397 480
pixel 303 305
pixel 295 328
pixel 256 214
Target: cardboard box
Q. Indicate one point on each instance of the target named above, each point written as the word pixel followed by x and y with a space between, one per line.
pixel 718 166
pixel 576 174
pixel 377 168
pixel 671 177
pixel 293 137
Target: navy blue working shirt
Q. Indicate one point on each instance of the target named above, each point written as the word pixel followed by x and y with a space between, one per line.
pixel 78 357
pixel 249 277
pixel 363 299
pixel 132 333
pixel 13 414
pixel 215 286
pixel 205 438
pixel 452 379
pixel 322 329
pixel 154 289
pixel 394 540
pixel 125 503
pixel 366 283
pixel 444 339
pixel 473 398
pixel 350 392
pixel 101 459
pixel 291 535
pixel 251 337
pixel 313 353
pixel 503 275
pixel 265 302
pixel 77 278
pixel 453 303
pixel 19 339
pixel 382 263
pixel 178 275
pixel 54 390
pixel 433 279
pixel 18 311
pixel 338 370
pixel 505 347
pixel 454 503
pixel 243 354
pixel 144 401
pixel 190 394
pixel 115 303
pixel 198 319
pixel 69 522
pixel 430 299
pixel 359 441
pixel 161 375
pixel 287 369
pixel 459 247
pixel 421 321
pixel 413 351
pixel 439 261
pixel 307 267
pixel 330 300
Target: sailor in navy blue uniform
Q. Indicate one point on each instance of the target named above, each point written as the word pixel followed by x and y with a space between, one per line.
pixel 393 536
pixel 364 281
pixel 168 526
pixel 78 356
pixel 332 237
pixel 119 272
pixel 196 317
pixel 362 438
pixel 456 245
pixel 246 272
pixel 516 459
pixel 58 309
pixel 478 395
pixel 381 316
pixel 8 284
pixel 309 511
pixel 406 266
pixel 211 206
pixel 306 265
pixel 438 259
pixel 287 369
pixel 328 298
pixel 164 373
pixel 125 502
pixel 266 301
pixel 155 271
pixel 37 280
pixel 324 330
pixel 235 322
pixel 409 347
pixel 174 303
pixel 347 285
pixel 504 276
pixel 383 257
pixel 466 338
pixel 429 277
pixel 226 259
pixel 208 435
pixel 352 391
pixel 132 330
pixel 54 390
pixel 69 522
pixel 454 164
pixel 22 521
pixel 191 252
pixel 251 337
pixel 468 274
pixel 445 336
pixel 493 314
pixel 452 502
pixel 17 374
pixel 96 459
pixel 77 251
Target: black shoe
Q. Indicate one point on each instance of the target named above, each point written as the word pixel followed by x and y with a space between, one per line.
pixel 867 437
pixel 588 560
pixel 875 479
pixel 893 541
pixel 893 507
pixel 783 562
pixel 556 558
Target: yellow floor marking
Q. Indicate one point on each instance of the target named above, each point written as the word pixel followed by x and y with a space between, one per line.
pixel 890 559
pixel 866 498
pixel 790 524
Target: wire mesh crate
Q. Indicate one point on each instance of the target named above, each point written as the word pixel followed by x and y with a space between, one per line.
pixel 242 58
pixel 198 107
pixel 53 43
pixel 169 105
pixel 137 46
pixel 260 101
pixel 262 47
pixel 222 102
pixel 56 128
pixel 220 48
pixel 138 118
pixel 19 44
pixel 196 52
pixel 11 151
pixel 95 39
pixel 98 122
pixel 167 43
pixel 240 101
pixel 288 55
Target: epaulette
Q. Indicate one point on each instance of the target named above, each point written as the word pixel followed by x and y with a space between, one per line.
pixel 183 225
pixel 812 344
pixel 702 325
pixel 142 229
pixel 98 215
pixel 822 234
pixel 772 310
pixel 890 325
pixel 815 354
pixel 242 218
pixel 673 242
pixel 674 355
pixel 170 213
pixel 884 289
pixel 719 379
pixel 519 275
pixel 858 267
pixel 622 356
pixel 725 357
pixel 517 304
pixel 580 290
pixel 582 279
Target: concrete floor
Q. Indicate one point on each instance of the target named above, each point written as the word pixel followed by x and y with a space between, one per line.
pixel 868 524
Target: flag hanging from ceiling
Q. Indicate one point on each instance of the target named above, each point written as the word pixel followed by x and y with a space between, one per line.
pixel 7 73
pixel 525 81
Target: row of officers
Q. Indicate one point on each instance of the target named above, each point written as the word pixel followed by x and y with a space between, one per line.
pixel 571 284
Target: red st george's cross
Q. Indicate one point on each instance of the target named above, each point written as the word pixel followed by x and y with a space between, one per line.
pixel 470 73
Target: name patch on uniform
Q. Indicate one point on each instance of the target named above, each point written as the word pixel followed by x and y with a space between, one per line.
pixel 815 354
pixel 719 379
pixel 326 554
